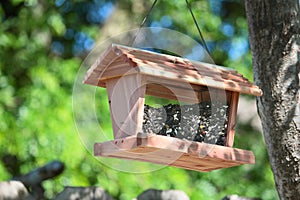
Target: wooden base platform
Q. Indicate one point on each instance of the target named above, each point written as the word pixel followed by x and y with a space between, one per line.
pixel 174 152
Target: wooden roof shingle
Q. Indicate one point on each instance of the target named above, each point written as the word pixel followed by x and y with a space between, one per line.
pixel 120 60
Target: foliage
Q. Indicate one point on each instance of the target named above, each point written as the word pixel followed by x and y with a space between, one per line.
pixel 42 45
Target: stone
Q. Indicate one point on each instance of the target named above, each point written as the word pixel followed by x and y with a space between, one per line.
pixel 83 193
pixel 14 190
pixel 236 197
pixel 153 194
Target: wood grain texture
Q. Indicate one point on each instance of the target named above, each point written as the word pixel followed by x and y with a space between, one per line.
pixel 232 119
pixel 117 60
pixel 174 152
pixel 126 97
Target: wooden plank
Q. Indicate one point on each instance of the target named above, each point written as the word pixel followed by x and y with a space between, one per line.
pixel 194 78
pixel 121 70
pixel 126 97
pixel 204 78
pixel 177 63
pixel 232 119
pixel 175 83
pixel 173 158
pixel 104 59
pixel 149 55
pixel 197 149
pixel 116 64
pixel 194 69
pixel 200 165
pixel 187 92
pixel 174 152
pixel 174 93
pixel 98 78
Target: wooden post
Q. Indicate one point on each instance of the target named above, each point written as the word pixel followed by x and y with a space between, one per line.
pixel 232 118
pixel 126 96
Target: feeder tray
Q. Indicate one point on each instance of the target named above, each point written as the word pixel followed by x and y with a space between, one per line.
pixel 129 74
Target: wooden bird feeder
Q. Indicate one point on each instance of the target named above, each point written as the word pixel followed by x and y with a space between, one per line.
pixel 129 74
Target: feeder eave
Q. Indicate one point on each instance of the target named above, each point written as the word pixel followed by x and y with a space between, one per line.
pixel 197 79
pixel 119 60
pixel 106 61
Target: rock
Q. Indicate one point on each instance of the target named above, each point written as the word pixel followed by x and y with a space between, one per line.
pixel 153 194
pixel 38 175
pixel 33 180
pixel 236 197
pixel 83 193
pixel 14 190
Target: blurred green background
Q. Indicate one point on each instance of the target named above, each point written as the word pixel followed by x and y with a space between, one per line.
pixel 42 46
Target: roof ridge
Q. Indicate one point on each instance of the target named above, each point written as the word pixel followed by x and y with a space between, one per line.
pixel 126 50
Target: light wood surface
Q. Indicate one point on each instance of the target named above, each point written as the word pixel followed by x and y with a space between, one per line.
pixel 174 152
pixel 232 119
pixel 117 60
pixel 126 97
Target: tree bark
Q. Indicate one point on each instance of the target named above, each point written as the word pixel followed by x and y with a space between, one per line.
pixel 274 34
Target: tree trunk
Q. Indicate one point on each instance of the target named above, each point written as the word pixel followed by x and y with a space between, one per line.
pixel 274 33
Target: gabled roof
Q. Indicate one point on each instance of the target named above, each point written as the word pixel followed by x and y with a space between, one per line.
pixel 119 60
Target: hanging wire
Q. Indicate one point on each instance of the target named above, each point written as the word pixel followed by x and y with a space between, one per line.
pixel 149 12
pixel 194 19
pixel 198 28
pixel 144 20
